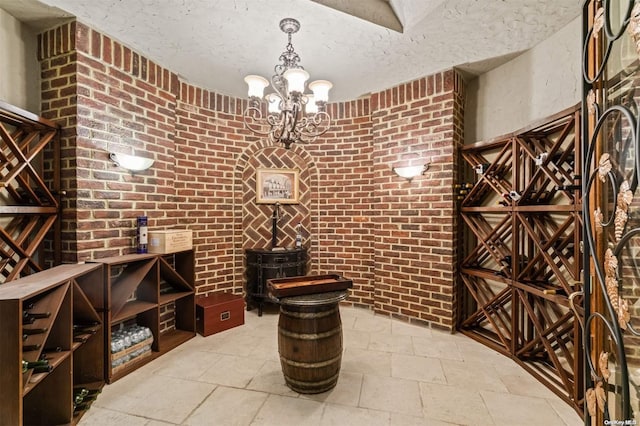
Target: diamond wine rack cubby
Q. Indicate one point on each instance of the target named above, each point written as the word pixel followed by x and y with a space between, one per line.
pixel 520 271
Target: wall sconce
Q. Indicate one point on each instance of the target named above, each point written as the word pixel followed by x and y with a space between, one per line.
pixel 409 172
pixel 133 163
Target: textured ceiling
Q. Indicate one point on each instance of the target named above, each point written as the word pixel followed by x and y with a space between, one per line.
pixel 215 43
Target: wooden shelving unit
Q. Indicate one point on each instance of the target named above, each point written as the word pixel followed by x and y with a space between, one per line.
pixel 138 289
pixel 68 293
pixel 521 214
pixel 30 196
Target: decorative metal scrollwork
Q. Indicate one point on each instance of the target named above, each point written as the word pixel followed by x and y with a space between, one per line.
pixel 611 131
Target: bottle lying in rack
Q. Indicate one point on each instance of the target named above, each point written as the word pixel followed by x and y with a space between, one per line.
pixel 82 332
pixel 83 398
pixel 30 348
pixel 36 365
pixel 26 332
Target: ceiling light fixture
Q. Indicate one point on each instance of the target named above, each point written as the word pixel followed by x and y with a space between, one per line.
pixel 292 116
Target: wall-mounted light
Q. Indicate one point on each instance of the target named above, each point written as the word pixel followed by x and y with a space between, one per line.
pixel 409 172
pixel 133 163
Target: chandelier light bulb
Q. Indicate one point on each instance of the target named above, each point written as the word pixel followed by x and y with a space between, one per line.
pixel 320 90
pixel 256 85
pixel 311 107
pixel 296 78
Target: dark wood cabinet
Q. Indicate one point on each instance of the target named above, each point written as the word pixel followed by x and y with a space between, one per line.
pixel 154 291
pixel 264 264
pixel 50 315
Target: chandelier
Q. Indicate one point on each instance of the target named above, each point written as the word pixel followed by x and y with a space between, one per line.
pixel 292 115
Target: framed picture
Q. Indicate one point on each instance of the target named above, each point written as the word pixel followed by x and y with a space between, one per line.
pixel 277 186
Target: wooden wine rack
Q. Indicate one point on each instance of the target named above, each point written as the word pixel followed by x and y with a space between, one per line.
pixel 521 227
pixel 30 205
pixel 137 289
pixel 69 293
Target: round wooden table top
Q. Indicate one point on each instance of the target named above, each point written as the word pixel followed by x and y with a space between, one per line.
pixel 315 299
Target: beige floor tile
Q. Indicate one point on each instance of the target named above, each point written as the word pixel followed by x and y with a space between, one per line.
pixel 391 394
pixel 436 348
pixel 346 392
pixel 389 385
pixel 373 324
pixel 391 343
pixel 235 344
pixel 364 361
pixel 267 346
pixel 284 411
pixel 341 415
pixel 400 328
pixel 271 380
pixel 232 371
pixel 417 368
pixel 457 405
pixel 566 413
pixel 399 419
pixel 185 365
pixel 155 397
pixel 479 376
pixel 510 410
pixel 355 338
pixel 228 406
pixel 525 386
pixel 97 416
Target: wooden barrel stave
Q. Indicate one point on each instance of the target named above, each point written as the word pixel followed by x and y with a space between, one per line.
pixel 310 346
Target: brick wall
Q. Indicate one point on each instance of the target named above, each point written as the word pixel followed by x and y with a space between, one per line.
pixel 108 99
pixel 393 238
pixel 415 236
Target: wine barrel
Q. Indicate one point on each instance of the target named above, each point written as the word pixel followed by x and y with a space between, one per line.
pixel 310 346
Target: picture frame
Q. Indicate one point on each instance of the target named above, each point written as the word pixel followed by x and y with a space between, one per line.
pixel 277 186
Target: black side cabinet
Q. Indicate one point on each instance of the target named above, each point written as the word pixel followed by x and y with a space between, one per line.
pixel 264 264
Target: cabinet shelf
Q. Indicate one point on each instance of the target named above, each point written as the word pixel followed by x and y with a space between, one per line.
pixel 131 309
pixel 166 298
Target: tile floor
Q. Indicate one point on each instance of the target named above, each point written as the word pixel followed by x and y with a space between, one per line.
pixel 392 373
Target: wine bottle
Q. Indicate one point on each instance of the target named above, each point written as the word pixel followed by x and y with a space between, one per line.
pixel 86 402
pixel 30 348
pixel 43 369
pixel 35 315
pixel 27 365
pixel 79 395
pixel 80 339
pixel 53 349
pixel 84 329
pixel 30 331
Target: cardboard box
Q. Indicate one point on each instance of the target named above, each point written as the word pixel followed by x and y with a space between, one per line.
pixel 170 241
pixel 218 312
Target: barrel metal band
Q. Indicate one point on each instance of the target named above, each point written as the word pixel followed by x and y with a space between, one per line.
pixel 314 384
pixel 309 315
pixel 319 364
pixel 310 336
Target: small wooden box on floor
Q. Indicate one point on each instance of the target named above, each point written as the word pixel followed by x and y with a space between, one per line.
pixel 218 312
